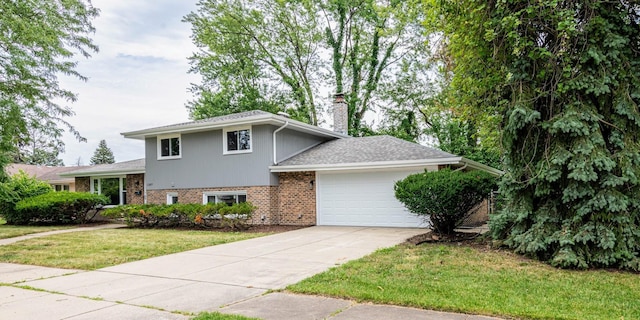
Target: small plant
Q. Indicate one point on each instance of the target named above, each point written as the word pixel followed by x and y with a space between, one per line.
pixel 446 198
pixel 19 187
pixel 59 207
pixel 191 215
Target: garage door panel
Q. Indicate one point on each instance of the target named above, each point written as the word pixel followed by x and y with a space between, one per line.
pixel 363 199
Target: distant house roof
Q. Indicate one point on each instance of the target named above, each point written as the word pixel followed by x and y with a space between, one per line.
pixel 118 168
pixel 44 173
pixel 254 117
pixel 371 153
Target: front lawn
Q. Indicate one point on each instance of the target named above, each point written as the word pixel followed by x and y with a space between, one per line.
pixel 90 250
pixel 479 281
pixel 7 231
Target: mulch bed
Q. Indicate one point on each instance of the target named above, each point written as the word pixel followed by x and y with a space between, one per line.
pixel 431 237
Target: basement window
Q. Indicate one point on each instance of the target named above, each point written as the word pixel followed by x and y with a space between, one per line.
pixel 229 198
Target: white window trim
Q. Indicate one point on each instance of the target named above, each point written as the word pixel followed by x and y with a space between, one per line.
pixel 238 128
pixel 98 189
pixel 207 194
pixel 159 146
pixel 170 196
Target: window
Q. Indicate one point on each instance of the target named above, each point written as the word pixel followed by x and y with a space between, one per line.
pixel 172 198
pixel 114 188
pixel 169 147
pixel 237 140
pixel 60 187
pixel 229 198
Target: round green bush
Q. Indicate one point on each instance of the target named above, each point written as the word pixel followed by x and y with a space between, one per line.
pixel 445 198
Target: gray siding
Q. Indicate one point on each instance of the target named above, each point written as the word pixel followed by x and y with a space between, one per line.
pixel 203 164
pixel 290 143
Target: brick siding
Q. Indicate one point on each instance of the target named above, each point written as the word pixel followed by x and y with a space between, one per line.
pixel 83 184
pixel 135 188
pixel 297 198
pixel 263 197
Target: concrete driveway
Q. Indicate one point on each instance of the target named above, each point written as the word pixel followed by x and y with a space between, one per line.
pixel 192 281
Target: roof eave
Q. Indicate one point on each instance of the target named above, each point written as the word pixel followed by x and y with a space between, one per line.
pixel 368 165
pixel 479 166
pixel 101 173
pixel 253 120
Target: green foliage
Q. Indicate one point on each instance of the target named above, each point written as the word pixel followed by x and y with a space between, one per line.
pixel 39 145
pixel 564 75
pixel 38 41
pixel 445 197
pixel 102 155
pixel 18 187
pixel 57 208
pixel 193 215
pixel 268 54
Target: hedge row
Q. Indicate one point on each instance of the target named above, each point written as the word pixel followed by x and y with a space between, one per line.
pixel 55 208
pixel 190 215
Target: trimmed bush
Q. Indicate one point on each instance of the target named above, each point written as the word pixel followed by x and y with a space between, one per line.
pixel 188 215
pixel 59 207
pixel 446 198
pixel 19 187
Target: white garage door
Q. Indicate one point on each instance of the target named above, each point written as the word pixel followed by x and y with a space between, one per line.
pixel 362 199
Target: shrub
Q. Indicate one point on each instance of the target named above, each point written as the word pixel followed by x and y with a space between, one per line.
pixel 190 215
pixel 19 187
pixel 446 198
pixel 59 207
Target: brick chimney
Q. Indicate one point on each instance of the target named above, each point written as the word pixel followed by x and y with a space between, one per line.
pixel 340 114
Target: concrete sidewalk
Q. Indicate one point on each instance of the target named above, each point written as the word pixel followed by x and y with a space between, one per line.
pixel 230 278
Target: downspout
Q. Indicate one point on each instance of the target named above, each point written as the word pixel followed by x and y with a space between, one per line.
pixel 275 154
pixel 461 168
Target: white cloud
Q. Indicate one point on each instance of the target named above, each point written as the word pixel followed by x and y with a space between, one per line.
pixel 138 79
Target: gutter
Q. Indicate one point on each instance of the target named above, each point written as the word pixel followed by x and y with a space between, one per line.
pixel 367 165
pixel 275 153
pixel 479 166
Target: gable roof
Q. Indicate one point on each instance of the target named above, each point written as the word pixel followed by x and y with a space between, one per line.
pixel 43 173
pixel 374 152
pixel 254 117
pixel 118 168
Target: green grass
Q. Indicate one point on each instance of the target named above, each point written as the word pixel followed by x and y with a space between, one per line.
pixel 90 250
pixel 16 231
pixel 220 316
pixel 470 280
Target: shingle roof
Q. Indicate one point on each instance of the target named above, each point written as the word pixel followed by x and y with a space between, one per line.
pixel 123 167
pixel 365 150
pixel 44 173
pixel 242 118
pixel 234 116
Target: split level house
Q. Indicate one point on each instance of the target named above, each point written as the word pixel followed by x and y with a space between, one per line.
pixel 295 173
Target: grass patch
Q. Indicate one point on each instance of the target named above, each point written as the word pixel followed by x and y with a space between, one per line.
pixel 472 280
pixel 220 316
pixel 89 250
pixel 16 231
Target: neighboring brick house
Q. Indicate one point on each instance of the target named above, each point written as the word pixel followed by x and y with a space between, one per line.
pixel 295 173
pixel 49 174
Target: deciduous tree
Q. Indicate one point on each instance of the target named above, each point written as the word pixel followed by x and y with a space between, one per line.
pixel 38 41
pixel 272 55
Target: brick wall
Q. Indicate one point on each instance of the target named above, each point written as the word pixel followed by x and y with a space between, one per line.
pixel 263 197
pixel 83 184
pixel 297 198
pixel 135 188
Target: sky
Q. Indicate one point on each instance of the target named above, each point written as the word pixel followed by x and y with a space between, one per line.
pixel 139 79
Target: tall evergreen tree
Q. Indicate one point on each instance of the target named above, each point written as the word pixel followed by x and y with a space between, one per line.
pixel 102 155
pixel 566 75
